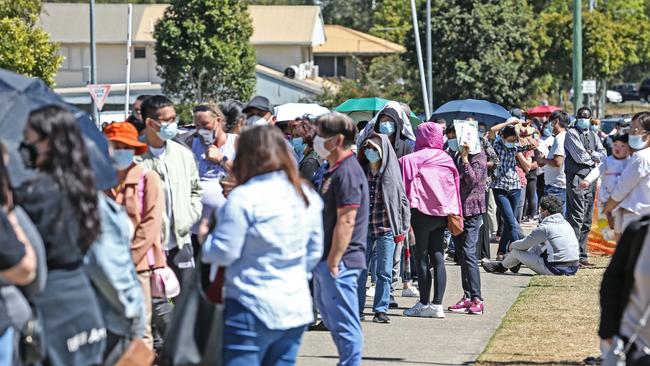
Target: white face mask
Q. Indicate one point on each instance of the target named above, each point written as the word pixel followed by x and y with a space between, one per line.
pixel 256 121
pixel 319 147
pixel 207 136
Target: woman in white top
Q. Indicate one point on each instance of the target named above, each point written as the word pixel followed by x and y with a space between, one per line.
pixel 632 193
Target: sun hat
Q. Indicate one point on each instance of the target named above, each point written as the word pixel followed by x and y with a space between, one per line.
pixel 127 134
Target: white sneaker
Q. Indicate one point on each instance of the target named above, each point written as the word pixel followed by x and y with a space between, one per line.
pixel 438 311
pixel 416 310
pixel 411 292
pixel 370 292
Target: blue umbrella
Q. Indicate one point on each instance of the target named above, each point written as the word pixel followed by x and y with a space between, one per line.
pixel 481 110
pixel 19 96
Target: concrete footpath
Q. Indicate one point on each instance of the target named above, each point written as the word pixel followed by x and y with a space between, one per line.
pixel 456 340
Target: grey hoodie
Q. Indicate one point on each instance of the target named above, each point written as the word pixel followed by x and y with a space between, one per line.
pixel 397 205
pixel 557 238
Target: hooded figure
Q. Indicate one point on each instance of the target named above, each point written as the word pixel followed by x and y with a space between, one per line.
pixel 390 218
pixel 404 137
pixel 430 176
pixel 395 201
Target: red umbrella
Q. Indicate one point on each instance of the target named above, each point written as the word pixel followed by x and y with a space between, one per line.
pixel 542 110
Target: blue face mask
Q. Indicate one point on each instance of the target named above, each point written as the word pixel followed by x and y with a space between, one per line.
pixel 453 144
pixel 298 145
pixel 582 123
pixel 387 128
pixel 636 142
pixel 547 132
pixel 372 155
pixel 122 158
pixel 594 128
pixel 509 145
pixel 168 131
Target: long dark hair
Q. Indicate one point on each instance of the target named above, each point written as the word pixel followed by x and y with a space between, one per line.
pixel 261 150
pixel 67 163
pixel 6 192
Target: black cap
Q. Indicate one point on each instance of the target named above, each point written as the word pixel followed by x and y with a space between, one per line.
pixel 259 102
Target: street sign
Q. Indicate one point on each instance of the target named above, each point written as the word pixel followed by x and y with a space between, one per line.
pixel 589 87
pixel 99 93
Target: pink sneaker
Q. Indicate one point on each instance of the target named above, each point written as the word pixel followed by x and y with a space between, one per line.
pixel 476 307
pixel 461 307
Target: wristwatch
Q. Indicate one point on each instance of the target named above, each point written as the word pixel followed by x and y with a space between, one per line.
pixel 223 161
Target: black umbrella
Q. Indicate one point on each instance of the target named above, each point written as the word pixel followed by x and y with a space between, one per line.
pixel 19 96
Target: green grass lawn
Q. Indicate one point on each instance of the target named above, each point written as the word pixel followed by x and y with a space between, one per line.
pixel 553 322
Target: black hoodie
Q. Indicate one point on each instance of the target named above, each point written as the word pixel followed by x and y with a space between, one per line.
pixel 400 146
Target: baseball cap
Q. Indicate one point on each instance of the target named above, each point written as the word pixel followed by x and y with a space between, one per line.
pixel 259 102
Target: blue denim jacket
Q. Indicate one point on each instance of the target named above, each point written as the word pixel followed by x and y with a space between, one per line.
pixel 110 267
pixel 269 242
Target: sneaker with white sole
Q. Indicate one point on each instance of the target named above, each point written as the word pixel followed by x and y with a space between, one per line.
pixel 437 310
pixel 476 307
pixel 461 307
pixel 417 310
pixel 411 292
pixel 370 292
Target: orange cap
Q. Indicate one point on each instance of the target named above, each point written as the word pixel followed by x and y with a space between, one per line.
pixel 127 134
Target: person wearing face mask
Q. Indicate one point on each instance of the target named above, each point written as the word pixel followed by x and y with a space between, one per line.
pixel 259 112
pixel 391 124
pixel 632 193
pixel 584 151
pixel 550 249
pixel 140 192
pixel 552 160
pixel 389 219
pixel 507 184
pixel 136 116
pixel 345 224
pixel 472 169
pixel 177 169
pixel 302 142
pixel 214 151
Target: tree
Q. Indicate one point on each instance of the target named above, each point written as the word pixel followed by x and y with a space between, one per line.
pixel 24 47
pixel 203 50
pixel 484 50
pixel 355 14
pixel 391 20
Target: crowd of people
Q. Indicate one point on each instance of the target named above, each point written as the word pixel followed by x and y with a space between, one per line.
pixel 300 220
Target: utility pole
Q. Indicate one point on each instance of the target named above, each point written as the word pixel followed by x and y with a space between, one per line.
pixel 93 60
pixel 127 84
pixel 418 48
pixel 577 55
pixel 429 58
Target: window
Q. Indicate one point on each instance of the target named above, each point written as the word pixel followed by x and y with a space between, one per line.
pixel 139 52
pixel 331 65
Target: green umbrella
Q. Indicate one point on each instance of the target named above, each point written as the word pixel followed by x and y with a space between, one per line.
pixel 364 109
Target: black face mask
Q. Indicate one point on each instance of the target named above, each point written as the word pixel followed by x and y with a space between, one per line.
pixel 29 154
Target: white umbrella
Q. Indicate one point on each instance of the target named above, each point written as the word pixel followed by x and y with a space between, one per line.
pixel 291 111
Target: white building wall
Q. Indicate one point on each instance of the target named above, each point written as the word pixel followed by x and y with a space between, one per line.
pixel 280 57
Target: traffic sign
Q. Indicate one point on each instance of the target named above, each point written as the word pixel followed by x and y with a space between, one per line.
pixel 589 87
pixel 99 93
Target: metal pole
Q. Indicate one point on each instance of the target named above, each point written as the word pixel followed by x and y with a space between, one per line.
pixel 93 60
pixel 128 60
pixel 577 55
pixel 416 30
pixel 429 58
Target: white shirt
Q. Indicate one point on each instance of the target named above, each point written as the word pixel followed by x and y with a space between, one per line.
pixel 555 176
pixel 609 172
pixel 633 188
pixel 545 145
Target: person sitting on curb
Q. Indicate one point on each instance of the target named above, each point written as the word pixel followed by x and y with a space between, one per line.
pixel 550 249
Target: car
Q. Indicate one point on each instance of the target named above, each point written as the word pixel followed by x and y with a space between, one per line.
pixel 644 90
pixel 614 97
pixel 629 91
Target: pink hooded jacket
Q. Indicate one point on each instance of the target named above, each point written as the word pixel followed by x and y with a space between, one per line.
pixel 430 176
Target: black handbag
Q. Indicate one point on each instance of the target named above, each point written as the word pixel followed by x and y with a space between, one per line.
pixel 195 334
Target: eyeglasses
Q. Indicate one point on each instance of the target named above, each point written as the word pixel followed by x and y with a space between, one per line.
pixel 169 121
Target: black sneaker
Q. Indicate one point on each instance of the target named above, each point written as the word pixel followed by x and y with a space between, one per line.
pixel 320 327
pixel 494 267
pixel 381 318
pixel 392 304
pixel 516 268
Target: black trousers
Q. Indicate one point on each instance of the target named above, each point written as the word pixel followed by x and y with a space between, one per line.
pixel 579 209
pixel 430 252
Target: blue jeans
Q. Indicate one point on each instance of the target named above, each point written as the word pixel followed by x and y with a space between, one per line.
pixel 338 304
pixel 384 247
pixel 508 201
pixel 247 341
pixel 557 192
pixel 7 347
pixel 469 272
